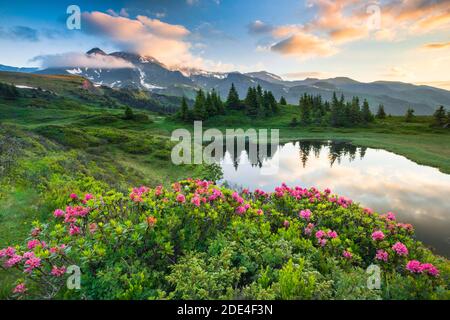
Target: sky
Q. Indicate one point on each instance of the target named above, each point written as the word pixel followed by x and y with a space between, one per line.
pixel 396 40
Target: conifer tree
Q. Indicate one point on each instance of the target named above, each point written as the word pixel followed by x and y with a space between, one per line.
pixel 283 101
pixel 184 110
pixel 334 112
pixel 409 116
pixel 440 118
pixel 380 113
pixel 233 101
pixel 209 106
pixel 367 115
pixel 251 102
pixel 199 111
pixel 217 102
pixel 272 102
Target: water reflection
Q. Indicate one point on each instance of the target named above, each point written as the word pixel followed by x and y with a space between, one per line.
pixel 377 179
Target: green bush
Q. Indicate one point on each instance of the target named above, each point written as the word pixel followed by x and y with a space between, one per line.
pixel 196 240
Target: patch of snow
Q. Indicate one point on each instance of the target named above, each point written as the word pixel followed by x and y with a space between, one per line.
pixel 23 87
pixel 147 86
pixel 74 71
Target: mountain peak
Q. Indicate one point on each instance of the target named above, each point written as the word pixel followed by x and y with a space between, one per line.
pixel 96 51
pixel 264 75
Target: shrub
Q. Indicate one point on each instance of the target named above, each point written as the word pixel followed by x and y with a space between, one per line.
pixel 197 240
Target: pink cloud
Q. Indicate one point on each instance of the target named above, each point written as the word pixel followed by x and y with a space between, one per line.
pixel 151 37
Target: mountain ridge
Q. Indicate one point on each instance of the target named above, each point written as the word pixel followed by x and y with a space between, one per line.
pixel 150 74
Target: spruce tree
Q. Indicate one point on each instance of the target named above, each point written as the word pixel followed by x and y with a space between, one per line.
pixel 355 114
pixel 273 102
pixel 199 111
pixel 283 101
pixel 409 116
pixel 305 110
pixel 209 106
pixel 440 118
pixel 184 110
pixel 334 112
pixel 367 115
pixel 380 113
pixel 217 102
pixel 251 102
pixel 233 101
pixel 266 108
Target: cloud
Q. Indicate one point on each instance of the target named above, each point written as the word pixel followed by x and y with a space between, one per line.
pixel 207 30
pixel 398 72
pixel 74 59
pixel 305 74
pixel 341 21
pixel 168 43
pixel 438 45
pixel 153 37
pixel 259 27
pixel 122 13
pixel 304 45
pixel 20 33
pixel 160 15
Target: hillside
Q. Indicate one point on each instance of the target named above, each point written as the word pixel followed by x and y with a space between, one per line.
pixel 78 88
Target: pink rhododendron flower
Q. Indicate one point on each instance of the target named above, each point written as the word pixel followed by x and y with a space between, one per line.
pixel 11 262
pixel 88 197
pixel 320 234
pixel 28 255
pixel 58 213
pixel 259 212
pixel 382 255
pixel 390 216
pixel 158 190
pixel 237 198
pixel 305 214
pixel 378 235
pixel 196 201
pixel 322 242
pixel 92 227
pixel 369 211
pixel 20 288
pixel 73 196
pixel 10 251
pixel 241 210
pixel 58 272
pixel 32 263
pixel 309 228
pixel 430 269
pixel 286 224
pixel 347 254
pixel 400 249
pixel 327 191
pixel 332 234
pixel 33 243
pixel 414 266
pixel 405 226
pixel 73 230
pixel 181 198
pixel 35 232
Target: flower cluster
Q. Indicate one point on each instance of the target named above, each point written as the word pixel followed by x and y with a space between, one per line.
pixel 415 266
